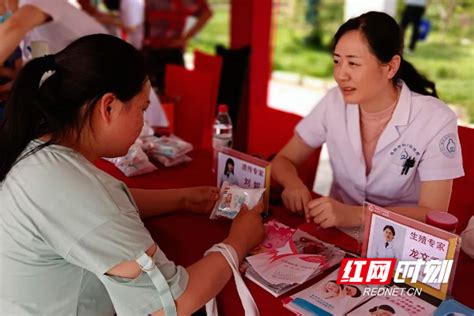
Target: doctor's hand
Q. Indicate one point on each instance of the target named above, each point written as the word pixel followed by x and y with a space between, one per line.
pixel 200 199
pixel 328 212
pixel 296 197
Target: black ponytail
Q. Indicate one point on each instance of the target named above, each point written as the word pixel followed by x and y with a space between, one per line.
pixel 23 115
pixel 64 100
pixel 414 80
pixel 385 40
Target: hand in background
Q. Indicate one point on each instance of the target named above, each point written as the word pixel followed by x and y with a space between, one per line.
pixel 108 19
pixel 296 198
pixel 200 199
pixel 328 212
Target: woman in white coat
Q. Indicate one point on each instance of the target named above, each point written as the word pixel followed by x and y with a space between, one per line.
pixel 386 248
pixel 390 140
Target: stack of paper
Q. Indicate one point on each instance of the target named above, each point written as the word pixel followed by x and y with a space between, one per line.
pixel 300 259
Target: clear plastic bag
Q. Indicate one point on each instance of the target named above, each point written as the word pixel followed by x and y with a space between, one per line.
pixel 134 163
pixel 170 162
pixel 146 130
pixel 170 146
pixel 231 199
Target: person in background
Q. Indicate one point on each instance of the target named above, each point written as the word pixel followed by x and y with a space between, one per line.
pixel 56 23
pixel 375 126
pixel 468 238
pixel 75 232
pixel 412 14
pixel 10 67
pixel 108 20
pixel 132 13
pixel 126 17
pixel 130 20
pixel 169 26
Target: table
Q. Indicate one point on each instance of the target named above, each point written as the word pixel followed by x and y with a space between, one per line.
pixel 184 236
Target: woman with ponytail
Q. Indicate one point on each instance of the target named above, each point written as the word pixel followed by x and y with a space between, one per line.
pixel 390 140
pixel 71 235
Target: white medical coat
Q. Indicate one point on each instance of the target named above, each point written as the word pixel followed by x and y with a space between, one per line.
pixel 386 252
pixel 422 128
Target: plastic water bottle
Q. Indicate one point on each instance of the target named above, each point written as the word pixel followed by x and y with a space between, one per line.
pixel 222 136
pixel 222 132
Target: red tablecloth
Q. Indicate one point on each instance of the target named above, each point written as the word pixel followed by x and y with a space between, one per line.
pixel 184 236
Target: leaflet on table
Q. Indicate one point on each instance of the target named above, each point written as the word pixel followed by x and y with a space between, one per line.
pixel 276 236
pixel 326 298
pixel 300 259
pixel 410 240
pixel 274 289
pixel 400 305
pixel 246 171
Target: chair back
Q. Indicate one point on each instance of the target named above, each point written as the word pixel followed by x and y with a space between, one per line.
pixel 211 65
pixel 270 130
pixel 191 91
pixel 462 198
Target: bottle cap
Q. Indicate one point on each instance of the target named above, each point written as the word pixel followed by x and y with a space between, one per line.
pixel 223 108
pixel 442 220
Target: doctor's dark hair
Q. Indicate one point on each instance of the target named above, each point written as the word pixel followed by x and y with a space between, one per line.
pixel 227 172
pixel 385 40
pixel 389 227
pixel 63 103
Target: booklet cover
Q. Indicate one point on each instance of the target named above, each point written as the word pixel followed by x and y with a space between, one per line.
pixel 276 236
pixel 326 298
pixel 402 305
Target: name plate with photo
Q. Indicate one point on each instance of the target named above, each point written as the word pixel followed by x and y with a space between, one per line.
pixel 391 235
pixel 246 171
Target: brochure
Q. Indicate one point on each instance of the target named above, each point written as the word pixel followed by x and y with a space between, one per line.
pixel 326 298
pixel 277 235
pixel 302 258
pixel 401 305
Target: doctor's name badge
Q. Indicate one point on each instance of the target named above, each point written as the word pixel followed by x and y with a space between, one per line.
pixel 447 145
pixel 406 155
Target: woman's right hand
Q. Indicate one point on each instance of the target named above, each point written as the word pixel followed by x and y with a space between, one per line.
pixel 247 230
pixel 296 198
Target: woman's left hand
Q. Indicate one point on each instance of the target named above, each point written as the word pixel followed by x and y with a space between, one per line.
pixel 328 212
pixel 200 199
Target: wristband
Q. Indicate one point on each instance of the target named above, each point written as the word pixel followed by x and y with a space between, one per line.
pixel 246 298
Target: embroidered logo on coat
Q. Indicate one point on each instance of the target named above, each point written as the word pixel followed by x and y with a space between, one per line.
pixel 447 145
pixel 405 150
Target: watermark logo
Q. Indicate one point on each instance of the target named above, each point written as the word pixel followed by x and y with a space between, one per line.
pixel 366 271
pixel 433 271
pixel 372 271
